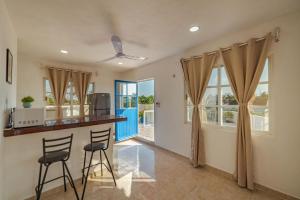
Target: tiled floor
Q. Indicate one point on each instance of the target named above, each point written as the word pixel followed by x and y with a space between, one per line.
pixel 145 172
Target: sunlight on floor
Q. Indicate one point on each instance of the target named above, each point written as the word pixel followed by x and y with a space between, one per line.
pixel 127 143
pixel 124 183
pixel 129 166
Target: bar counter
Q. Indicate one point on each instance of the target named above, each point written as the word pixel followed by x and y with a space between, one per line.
pixel 21 164
pixel 52 125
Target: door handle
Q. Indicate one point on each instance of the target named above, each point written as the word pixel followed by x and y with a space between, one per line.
pixel 157 104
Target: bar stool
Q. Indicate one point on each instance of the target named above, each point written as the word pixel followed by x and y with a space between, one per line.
pixel 55 150
pixel 99 142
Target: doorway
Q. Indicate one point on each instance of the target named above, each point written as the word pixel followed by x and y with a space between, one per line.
pixel 146 109
pixel 126 106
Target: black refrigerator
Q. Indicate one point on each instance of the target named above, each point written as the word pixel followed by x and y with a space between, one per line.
pixel 99 104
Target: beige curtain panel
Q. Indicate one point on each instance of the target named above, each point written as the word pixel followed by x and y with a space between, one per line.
pixel 81 82
pixel 59 80
pixel 244 65
pixel 197 72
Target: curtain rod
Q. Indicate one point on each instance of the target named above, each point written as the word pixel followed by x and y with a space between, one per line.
pixel 69 70
pixel 275 35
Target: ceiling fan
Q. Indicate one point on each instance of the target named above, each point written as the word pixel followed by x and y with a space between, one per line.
pixel 117 44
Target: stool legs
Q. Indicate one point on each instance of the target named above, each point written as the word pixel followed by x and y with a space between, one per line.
pixel 64 174
pixel 101 163
pixel 86 177
pixel 39 181
pixel 112 173
pixel 83 169
pixel 71 179
pixel 41 185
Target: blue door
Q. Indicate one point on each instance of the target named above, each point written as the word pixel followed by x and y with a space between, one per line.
pixel 126 105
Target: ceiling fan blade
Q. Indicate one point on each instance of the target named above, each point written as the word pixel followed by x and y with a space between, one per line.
pixel 134 57
pixel 108 59
pixel 117 43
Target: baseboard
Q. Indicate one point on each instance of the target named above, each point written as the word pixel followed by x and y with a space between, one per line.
pixel 227 175
pixel 256 185
pixel 274 192
pixel 219 172
pixel 144 140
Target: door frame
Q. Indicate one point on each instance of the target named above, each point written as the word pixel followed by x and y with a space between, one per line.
pixel 155 108
pixel 115 100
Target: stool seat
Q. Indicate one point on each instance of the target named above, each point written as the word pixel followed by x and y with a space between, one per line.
pixel 53 157
pixel 94 146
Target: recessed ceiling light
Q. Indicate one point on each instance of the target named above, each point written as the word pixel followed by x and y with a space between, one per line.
pixel 64 51
pixel 194 28
pixel 120 63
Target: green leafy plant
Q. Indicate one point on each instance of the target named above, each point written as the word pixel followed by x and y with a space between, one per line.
pixel 50 101
pixel 146 99
pixel 228 116
pixel 141 117
pixel 141 114
pixel 27 99
pixel 229 99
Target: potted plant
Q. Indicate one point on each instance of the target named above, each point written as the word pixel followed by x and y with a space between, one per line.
pixel 27 101
pixel 141 117
pixel 228 117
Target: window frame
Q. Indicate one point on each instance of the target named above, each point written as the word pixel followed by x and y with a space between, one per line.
pixel 219 106
pixel 71 105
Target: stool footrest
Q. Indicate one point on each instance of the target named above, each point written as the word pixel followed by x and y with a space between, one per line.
pixel 96 165
pixel 53 179
pixel 91 166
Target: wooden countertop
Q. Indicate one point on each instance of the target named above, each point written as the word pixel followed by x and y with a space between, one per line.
pixel 52 125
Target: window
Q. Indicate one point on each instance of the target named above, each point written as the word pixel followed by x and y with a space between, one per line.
pixel 220 107
pixel 71 107
pixel 259 108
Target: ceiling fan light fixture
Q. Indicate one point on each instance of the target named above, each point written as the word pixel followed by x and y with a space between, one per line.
pixel 194 28
pixel 120 63
pixel 142 58
pixel 64 51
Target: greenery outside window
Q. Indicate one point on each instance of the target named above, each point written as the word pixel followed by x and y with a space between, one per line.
pixel 220 107
pixel 71 105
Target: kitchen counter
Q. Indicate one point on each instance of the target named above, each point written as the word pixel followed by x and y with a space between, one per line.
pixel 52 125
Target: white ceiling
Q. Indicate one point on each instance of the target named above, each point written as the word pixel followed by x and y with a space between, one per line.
pixel 151 28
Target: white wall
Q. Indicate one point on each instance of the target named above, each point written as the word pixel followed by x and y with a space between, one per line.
pixel 8 39
pixel 31 72
pixel 276 154
pixel 169 117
